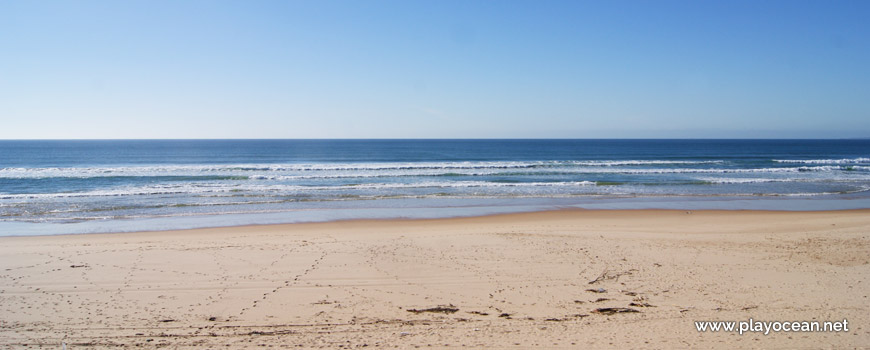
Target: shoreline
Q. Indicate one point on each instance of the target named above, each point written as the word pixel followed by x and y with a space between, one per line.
pixel 519 280
pixel 418 210
pixel 393 220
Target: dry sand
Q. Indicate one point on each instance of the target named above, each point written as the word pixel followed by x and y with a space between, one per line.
pixel 516 280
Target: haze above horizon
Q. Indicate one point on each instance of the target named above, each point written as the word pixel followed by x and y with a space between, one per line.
pixel 438 69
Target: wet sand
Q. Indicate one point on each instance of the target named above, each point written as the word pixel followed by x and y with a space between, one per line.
pixel 517 280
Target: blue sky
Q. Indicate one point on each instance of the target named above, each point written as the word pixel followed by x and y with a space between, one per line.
pixel 434 69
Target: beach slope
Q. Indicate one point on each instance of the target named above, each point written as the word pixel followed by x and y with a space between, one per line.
pixel 570 278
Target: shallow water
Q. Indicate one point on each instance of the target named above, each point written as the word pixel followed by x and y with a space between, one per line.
pixel 104 186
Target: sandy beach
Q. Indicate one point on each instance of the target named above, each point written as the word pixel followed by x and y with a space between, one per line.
pixel 547 279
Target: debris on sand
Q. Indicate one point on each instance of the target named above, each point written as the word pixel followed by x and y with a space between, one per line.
pixel 600 277
pixel 444 309
pixel 613 310
pixel 279 332
pixel 599 290
pixel 607 275
pixel 566 318
pixel 481 313
pixel 641 305
pixel 78 266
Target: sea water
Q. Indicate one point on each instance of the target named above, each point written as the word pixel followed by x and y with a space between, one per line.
pixel 50 187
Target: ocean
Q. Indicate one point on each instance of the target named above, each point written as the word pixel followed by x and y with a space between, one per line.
pixel 52 187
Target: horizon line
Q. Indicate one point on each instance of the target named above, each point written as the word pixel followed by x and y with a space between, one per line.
pixel 438 138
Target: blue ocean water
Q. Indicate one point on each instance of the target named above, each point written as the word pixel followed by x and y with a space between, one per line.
pixel 103 186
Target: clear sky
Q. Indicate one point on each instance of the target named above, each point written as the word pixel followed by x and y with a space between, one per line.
pixel 434 69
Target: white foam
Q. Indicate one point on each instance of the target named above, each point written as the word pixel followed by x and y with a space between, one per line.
pixel 283 169
pixel 642 162
pixel 713 170
pixel 326 171
pixel 811 194
pixel 281 189
pixel 825 161
pixel 744 180
pixel 243 169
